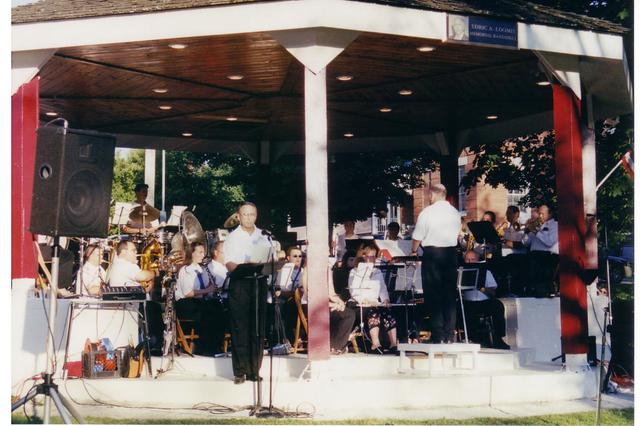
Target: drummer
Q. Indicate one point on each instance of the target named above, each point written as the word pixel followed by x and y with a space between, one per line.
pixel 143 219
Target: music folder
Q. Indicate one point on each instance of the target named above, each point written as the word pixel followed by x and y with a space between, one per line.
pixel 246 270
pixel 484 231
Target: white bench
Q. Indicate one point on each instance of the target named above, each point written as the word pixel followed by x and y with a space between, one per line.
pixel 455 350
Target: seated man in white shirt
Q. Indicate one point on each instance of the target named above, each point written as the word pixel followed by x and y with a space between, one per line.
pixel 289 278
pixel 482 301
pixel 125 272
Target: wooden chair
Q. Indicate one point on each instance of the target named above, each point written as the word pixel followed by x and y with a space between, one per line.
pixel 301 321
pixel 186 340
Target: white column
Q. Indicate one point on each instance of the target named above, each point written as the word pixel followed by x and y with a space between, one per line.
pixel 150 173
pixel 315 102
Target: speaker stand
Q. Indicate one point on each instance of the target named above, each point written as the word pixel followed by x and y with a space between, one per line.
pixel 48 388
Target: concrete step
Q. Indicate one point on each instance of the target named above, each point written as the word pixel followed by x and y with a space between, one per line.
pixel 178 389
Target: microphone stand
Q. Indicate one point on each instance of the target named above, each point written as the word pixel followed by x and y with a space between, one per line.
pixel 271 411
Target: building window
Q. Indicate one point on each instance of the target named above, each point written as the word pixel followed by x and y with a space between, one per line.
pixel 462 195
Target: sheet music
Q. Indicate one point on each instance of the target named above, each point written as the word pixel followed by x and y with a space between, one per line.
pixel 121 213
pixel 406 276
pixel 259 253
pixel 395 248
pixel 176 213
pixel 284 276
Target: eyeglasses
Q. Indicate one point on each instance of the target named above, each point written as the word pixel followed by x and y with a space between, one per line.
pixel 296 255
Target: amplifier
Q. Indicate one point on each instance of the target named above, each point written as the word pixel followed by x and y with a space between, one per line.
pixel 123 293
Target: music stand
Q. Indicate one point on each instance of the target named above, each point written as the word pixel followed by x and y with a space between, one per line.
pixel 253 271
pixel 485 232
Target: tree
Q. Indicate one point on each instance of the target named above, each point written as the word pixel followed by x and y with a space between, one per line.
pixel 529 163
pixel 128 170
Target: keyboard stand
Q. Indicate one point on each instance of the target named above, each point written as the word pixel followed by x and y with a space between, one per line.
pixel 115 303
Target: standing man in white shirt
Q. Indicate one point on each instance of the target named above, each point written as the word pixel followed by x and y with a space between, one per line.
pixel 247 342
pixel 543 255
pixel 436 232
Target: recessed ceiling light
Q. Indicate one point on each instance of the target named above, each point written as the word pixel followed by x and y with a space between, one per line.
pixel 51 114
pixel 426 49
pixel 348 135
pixel 344 77
pixel 543 83
pixel 492 117
pixel 405 92
pixel 385 109
pixel 163 90
pixel 165 107
pixel 232 118
pixel 235 77
pixel 177 46
pixel 187 134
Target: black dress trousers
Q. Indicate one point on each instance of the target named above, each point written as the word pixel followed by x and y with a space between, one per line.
pixel 247 307
pixel 439 275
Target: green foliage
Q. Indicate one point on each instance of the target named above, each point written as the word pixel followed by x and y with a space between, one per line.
pixel 522 163
pixel 536 171
pixel 127 172
pixel 615 197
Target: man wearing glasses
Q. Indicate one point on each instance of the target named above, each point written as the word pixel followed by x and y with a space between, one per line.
pixel 239 248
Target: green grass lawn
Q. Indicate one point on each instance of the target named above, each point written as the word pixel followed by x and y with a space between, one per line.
pixel 608 417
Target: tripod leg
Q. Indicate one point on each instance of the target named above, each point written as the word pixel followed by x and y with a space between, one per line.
pixel 28 397
pixel 53 393
pixel 70 408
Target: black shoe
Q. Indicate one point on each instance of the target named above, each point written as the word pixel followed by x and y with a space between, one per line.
pixel 393 350
pixel 500 344
pixel 254 378
pixel 377 351
pixel 238 380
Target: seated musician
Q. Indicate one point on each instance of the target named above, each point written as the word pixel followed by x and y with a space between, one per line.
pixel 192 288
pixel 125 272
pixel 487 250
pixel 482 301
pixel 515 262
pixel 349 234
pixel 393 232
pixel 341 275
pixel 372 293
pixel 92 276
pixel 218 272
pixel 143 219
pixel 341 317
pixel 288 281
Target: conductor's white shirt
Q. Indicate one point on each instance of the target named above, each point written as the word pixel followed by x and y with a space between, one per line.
pixel 438 225
pixel 239 245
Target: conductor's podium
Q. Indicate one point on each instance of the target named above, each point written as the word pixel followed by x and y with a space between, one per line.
pixel 442 351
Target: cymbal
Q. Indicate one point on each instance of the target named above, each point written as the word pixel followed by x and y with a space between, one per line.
pixel 232 221
pixel 146 211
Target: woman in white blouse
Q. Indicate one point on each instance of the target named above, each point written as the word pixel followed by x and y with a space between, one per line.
pixel 192 285
pixel 370 291
pixel 92 275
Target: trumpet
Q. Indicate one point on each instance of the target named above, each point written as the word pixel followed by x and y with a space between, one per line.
pixel 533 225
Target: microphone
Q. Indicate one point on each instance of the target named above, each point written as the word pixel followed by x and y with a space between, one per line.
pixel 267 233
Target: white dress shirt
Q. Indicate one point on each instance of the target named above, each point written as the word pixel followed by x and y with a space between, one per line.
pixel 239 245
pixel 92 276
pixel 476 295
pixel 546 239
pixel 370 289
pixel 123 273
pixel 219 274
pixel 191 277
pixel 438 225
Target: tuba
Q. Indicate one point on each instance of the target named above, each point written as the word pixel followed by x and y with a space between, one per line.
pixel 151 256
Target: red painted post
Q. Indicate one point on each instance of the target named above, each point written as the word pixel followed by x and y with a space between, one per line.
pixel 24 122
pixel 571 221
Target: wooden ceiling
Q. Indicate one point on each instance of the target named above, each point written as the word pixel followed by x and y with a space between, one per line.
pixel 110 88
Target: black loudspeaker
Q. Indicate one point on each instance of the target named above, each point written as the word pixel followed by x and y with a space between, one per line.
pixel 72 183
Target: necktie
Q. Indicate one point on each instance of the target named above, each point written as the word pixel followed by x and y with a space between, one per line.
pixel 200 280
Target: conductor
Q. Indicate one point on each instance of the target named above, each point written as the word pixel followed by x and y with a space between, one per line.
pixel 437 231
pixel 240 248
